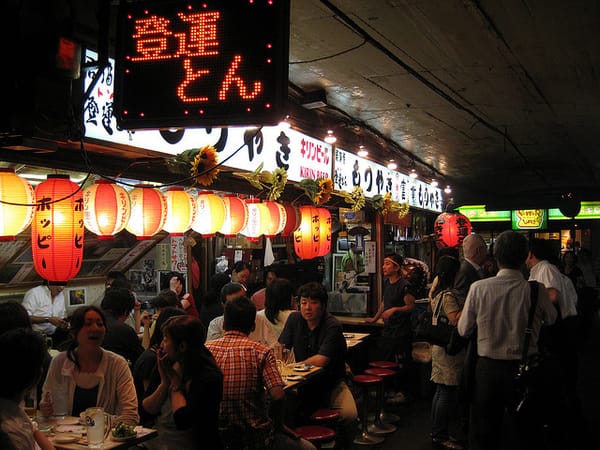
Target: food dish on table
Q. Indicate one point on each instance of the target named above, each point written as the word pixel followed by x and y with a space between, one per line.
pixel 66 438
pixel 303 367
pixel 294 377
pixel 123 432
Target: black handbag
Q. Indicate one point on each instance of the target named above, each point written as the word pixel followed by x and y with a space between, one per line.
pixel 433 328
pixel 456 343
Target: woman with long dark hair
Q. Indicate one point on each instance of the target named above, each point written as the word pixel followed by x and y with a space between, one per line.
pixel 278 304
pixel 188 398
pixel 446 370
pixel 87 375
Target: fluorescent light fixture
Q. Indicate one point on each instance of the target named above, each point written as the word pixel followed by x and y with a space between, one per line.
pixel 392 165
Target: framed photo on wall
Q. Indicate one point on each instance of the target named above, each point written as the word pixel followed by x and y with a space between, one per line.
pixel 76 297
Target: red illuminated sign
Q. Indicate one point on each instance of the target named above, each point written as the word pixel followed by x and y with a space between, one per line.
pixel 207 63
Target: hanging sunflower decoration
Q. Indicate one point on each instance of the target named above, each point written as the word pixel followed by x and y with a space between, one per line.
pixel 356 198
pixel 204 166
pixel 318 191
pixel 200 163
pixel 271 183
pixel 385 205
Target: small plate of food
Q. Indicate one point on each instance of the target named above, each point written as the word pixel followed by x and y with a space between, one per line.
pixel 302 367
pixel 123 432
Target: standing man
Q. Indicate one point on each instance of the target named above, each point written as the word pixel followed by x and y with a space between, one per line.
pixel 120 338
pixel 396 307
pixel 499 308
pixel 471 269
pixel 46 307
pixel 316 338
pixel 562 336
pixel 250 375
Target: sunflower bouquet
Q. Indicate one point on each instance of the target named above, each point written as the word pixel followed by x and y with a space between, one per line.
pixel 318 191
pixel 385 205
pixel 200 163
pixel 271 183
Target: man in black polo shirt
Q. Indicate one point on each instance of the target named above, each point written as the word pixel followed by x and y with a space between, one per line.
pixel 316 338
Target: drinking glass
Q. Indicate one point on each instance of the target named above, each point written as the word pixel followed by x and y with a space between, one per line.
pixel 30 403
pixel 98 426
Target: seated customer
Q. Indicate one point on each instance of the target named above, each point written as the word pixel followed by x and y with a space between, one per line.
pixel 145 372
pixel 262 332
pixel 211 305
pixel 250 375
pixel 87 375
pixel 316 338
pixel 278 304
pixel 165 299
pixel 188 396
pixel 120 337
pixel 25 350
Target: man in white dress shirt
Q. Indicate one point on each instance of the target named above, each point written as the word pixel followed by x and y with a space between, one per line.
pixel 46 307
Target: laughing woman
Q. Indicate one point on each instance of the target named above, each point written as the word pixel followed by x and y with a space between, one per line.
pixel 86 375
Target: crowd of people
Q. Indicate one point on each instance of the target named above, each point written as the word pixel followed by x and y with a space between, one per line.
pixel 205 373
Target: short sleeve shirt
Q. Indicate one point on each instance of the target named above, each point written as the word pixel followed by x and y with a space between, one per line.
pixel 326 339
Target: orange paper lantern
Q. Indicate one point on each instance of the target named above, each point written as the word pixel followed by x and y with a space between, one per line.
pixel 15 217
pixel 278 219
pixel 450 229
pixel 211 214
pixel 148 211
pixel 181 211
pixel 258 219
pixel 57 229
pixel 325 229
pixel 307 237
pixel 236 215
pixel 106 208
pixel 292 222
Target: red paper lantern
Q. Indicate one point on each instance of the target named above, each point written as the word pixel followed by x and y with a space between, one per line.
pixel 148 211
pixel 258 219
pixel 278 219
pixel 211 214
pixel 324 231
pixel 14 218
pixel 307 237
pixel 236 215
pixel 450 229
pixel 181 211
pixel 57 229
pixel 293 218
pixel 106 208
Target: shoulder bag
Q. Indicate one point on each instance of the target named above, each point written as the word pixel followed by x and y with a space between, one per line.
pixel 529 375
pixel 433 328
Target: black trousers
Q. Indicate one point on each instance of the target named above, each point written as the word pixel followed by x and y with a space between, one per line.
pixel 491 401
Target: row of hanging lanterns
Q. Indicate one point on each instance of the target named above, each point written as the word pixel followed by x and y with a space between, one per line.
pixel 58 210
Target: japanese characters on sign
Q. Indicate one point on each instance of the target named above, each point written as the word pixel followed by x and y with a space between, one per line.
pixel 201 63
pixel 351 170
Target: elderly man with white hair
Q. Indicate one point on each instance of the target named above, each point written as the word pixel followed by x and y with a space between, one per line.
pixel 474 252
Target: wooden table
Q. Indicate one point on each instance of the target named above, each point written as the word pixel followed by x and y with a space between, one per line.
pixel 143 434
pixel 289 370
pixel 353 339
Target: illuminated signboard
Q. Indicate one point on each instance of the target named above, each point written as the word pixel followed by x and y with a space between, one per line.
pixel 529 219
pixel 376 179
pixel 478 213
pixel 209 63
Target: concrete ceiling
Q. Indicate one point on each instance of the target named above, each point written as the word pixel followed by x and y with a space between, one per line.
pixel 498 98
pixel 501 97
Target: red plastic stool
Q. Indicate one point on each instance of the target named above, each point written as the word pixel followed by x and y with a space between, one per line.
pixel 315 434
pixel 325 415
pixel 384 364
pixel 365 382
pixel 382 424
